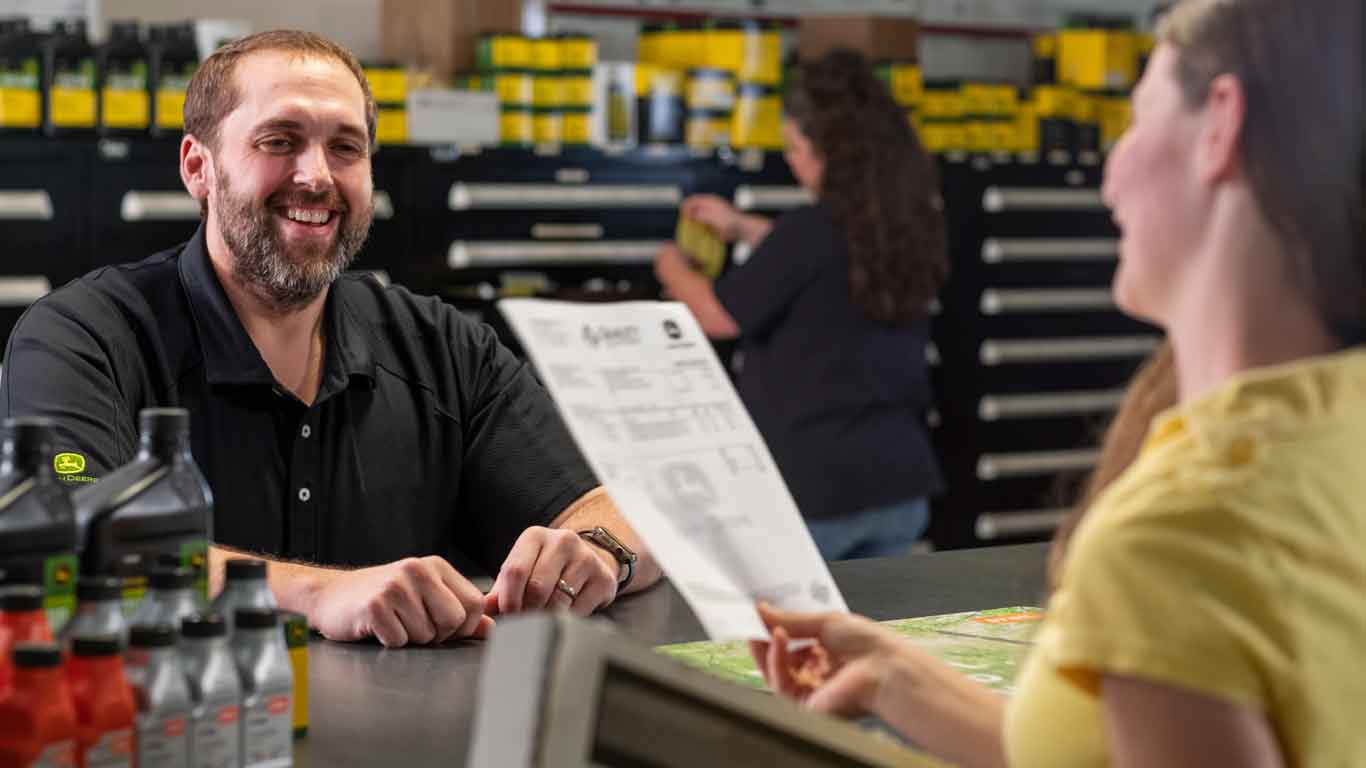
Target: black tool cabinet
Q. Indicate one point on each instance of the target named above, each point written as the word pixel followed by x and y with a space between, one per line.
pixel 1028 354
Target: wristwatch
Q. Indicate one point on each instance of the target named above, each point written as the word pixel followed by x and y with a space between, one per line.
pixel 619 552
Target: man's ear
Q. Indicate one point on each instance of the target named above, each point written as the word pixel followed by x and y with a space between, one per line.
pixel 1222 135
pixel 196 167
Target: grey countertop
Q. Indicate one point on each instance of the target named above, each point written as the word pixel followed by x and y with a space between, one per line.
pixel 371 706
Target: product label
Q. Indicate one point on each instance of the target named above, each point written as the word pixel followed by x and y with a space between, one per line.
pixel 112 749
pixel 267 731
pixel 59 755
pixel 171 109
pixel 217 738
pixel 123 100
pixel 163 740
pixel 194 554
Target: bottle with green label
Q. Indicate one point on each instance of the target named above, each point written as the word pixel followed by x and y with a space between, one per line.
pixel 155 510
pixel 37 524
pixel 72 106
pixel 21 78
pixel 125 102
pixel 174 59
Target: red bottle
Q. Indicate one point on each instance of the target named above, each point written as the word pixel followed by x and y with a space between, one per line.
pixel 105 710
pixel 22 620
pixel 37 718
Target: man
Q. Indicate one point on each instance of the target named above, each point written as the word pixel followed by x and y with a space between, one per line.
pixel 351 433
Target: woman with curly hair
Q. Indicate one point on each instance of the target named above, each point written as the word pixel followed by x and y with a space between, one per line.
pixel 831 311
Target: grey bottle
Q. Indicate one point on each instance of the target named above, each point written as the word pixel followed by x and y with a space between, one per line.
pixel 244 586
pixel 216 720
pixel 99 611
pixel 258 646
pixel 163 697
pixel 170 598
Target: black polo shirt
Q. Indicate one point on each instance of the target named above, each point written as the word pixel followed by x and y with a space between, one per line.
pixel 427 436
pixel 839 397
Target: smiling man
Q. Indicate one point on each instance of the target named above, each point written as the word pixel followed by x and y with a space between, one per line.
pixel 354 435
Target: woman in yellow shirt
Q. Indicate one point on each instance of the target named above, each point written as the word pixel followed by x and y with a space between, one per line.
pixel 1210 609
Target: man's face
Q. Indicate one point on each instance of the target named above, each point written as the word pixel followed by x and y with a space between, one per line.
pixel 290 190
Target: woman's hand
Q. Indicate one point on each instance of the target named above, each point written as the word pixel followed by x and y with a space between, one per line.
pixel 673 269
pixel 717 214
pixel 842 672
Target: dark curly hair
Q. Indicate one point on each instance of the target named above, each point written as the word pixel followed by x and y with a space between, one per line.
pixel 879 185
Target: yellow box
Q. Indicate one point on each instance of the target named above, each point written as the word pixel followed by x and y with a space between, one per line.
pixel 576 125
pixel 546 126
pixel 1115 116
pixel 391 126
pixel 1097 59
pixel 515 126
pixel 545 54
pixel 578 52
pixel 388 85
pixel 757 122
pixel 515 87
pixel 576 89
pixel 547 90
pixel 1054 101
pixel 942 103
pixel 1027 128
pixel 984 99
pixel 504 52
pixel 907 84
pixel 751 52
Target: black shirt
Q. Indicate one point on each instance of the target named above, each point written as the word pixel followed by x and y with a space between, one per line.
pixel 839 397
pixel 426 436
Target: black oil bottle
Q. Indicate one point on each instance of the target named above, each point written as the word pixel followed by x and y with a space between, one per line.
pixel 38 537
pixel 71 105
pixel 124 82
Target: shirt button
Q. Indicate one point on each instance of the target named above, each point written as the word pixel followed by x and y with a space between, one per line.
pixel 306 431
pixel 304 494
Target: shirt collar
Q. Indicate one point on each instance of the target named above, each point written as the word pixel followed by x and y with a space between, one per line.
pixel 230 356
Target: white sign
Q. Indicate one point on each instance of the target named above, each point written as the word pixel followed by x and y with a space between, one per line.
pixel 658 420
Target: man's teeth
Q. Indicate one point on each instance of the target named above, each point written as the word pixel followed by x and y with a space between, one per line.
pixel 308 216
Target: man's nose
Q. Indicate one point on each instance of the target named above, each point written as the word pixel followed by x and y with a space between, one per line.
pixel 311 170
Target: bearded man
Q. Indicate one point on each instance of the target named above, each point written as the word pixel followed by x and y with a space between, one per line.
pixel 356 436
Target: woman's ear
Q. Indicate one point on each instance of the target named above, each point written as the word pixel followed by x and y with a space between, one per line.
pixel 1216 153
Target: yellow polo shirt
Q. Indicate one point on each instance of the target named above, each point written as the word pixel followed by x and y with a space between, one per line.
pixel 1229 560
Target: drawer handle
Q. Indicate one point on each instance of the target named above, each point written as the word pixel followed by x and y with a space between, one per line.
pixel 770 198
pixel 996 466
pixel 464 254
pixel 1017 301
pixel 1012 250
pixel 384 205
pixel 23 290
pixel 26 205
pixel 468 197
pixel 1006 199
pixel 1024 522
pixel 158 206
pixel 1079 349
pixel 566 231
pixel 1043 405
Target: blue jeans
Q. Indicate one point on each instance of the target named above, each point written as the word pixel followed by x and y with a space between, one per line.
pixel 876 532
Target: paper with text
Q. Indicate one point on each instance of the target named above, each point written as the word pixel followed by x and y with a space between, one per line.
pixel 657 418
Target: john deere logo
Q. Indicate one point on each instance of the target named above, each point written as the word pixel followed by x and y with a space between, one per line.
pixel 62 576
pixel 68 463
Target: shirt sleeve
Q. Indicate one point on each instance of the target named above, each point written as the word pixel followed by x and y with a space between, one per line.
pixel 1184 598
pixel 521 466
pixel 758 293
pixel 57 366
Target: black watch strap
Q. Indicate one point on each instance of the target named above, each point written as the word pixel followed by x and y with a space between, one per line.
pixel 626 558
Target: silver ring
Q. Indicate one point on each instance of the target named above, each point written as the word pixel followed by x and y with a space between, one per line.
pixel 564 587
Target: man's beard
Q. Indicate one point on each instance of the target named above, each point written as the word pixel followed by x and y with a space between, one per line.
pixel 286 280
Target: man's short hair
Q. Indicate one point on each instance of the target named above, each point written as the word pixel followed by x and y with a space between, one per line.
pixel 212 94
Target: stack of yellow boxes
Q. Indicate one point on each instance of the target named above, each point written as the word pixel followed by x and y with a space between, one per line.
pixel 389 86
pixel 907 85
pixel 562 88
pixel 724 75
pixel 506 60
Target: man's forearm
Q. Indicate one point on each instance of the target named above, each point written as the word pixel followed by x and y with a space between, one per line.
pixel 295 585
pixel 597 508
pixel 753 229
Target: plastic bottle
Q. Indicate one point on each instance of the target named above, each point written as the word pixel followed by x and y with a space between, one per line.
pixel 245 586
pixel 99 611
pixel 162 737
pixel 21 79
pixel 154 508
pixel 22 620
pixel 105 711
pixel 37 718
pixel 174 61
pixel 216 721
pixel 37 524
pixel 170 598
pixel 71 96
pixel 124 82
pixel 258 647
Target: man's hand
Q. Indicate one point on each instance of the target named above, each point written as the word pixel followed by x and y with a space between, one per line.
pixel 417 600
pixel 541 558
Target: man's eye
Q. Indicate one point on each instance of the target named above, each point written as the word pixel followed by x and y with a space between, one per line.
pixel 276 145
pixel 349 150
